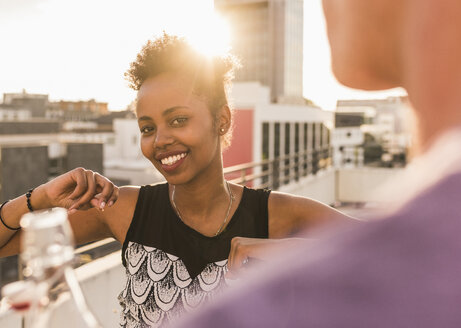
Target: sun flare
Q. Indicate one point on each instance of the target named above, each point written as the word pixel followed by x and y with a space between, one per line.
pixel 210 36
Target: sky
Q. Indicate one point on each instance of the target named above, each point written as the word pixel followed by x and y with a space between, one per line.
pixel 79 49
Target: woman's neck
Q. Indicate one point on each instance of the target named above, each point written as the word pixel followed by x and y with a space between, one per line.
pixel 205 196
pixel 201 195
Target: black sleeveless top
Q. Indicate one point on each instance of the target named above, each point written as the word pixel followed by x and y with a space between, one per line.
pixel 171 268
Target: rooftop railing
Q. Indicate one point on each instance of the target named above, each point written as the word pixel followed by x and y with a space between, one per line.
pixel 272 173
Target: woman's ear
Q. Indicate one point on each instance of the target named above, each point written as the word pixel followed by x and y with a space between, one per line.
pixel 224 120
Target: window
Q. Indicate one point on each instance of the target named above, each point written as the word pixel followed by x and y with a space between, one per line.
pixel 287 152
pixel 305 146
pixel 265 150
pixel 313 136
pixel 277 139
pixel 297 151
pixel 276 165
pixel 315 159
pixel 265 143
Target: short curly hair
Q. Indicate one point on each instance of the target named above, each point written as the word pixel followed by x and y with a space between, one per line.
pixel 169 53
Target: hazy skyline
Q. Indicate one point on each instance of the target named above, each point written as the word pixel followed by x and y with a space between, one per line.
pixel 80 49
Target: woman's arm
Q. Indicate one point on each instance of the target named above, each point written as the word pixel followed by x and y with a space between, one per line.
pixel 247 249
pixel 78 189
pixel 290 213
pixel 287 214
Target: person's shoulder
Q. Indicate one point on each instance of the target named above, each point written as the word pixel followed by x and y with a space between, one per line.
pixel 440 199
pixel 278 199
pixel 447 188
pixel 129 192
pixel 161 184
pixel 257 191
pixel 133 191
pixel 254 197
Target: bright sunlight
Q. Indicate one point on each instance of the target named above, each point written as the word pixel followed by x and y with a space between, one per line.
pixel 210 35
pixel 82 48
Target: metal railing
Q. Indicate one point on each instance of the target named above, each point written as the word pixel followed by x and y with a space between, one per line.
pixel 89 252
pixel 273 173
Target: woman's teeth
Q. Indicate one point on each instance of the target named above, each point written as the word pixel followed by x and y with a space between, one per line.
pixel 172 159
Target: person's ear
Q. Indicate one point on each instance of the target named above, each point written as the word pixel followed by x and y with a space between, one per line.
pixel 224 120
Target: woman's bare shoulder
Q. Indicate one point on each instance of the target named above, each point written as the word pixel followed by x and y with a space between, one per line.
pixel 118 217
pixel 128 193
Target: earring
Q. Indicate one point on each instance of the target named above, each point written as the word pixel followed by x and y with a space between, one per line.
pixel 222 130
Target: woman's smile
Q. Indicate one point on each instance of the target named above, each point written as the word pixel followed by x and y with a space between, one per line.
pixel 171 161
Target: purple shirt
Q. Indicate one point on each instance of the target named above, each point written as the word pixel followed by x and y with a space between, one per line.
pixel 402 271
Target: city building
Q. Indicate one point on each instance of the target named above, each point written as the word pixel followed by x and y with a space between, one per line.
pixel 69 124
pixel 25 105
pixel 81 110
pixel 13 114
pixel 371 132
pixel 267 36
pixel 37 104
pixel 282 135
pixel 28 127
pixel 34 149
pixel 348 139
pixel 107 120
pixel 398 107
pixel 33 152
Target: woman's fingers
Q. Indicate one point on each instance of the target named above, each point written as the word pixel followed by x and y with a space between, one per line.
pixel 238 254
pixel 244 250
pixel 107 192
pixel 92 190
pixel 83 202
pixel 113 198
pixel 81 189
pixel 79 179
pixel 97 202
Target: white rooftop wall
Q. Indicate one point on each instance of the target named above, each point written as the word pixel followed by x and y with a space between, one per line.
pixel 252 95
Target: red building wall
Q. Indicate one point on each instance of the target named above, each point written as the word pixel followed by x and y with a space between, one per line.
pixel 241 148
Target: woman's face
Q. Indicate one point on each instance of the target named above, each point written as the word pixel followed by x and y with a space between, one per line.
pixel 178 132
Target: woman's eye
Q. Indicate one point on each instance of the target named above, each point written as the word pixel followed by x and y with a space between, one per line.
pixel 146 129
pixel 179 121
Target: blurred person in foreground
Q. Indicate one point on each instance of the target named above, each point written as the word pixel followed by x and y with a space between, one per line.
pixel 403 270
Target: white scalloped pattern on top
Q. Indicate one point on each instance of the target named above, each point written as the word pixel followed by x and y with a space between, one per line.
pixel 160 289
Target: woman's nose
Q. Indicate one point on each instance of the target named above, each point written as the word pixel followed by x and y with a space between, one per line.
pixel 162 138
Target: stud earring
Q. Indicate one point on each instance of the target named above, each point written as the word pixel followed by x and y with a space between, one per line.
pixel 222 130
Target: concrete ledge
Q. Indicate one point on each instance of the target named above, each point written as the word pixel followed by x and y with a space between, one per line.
pixel 320 187
pixel 362 185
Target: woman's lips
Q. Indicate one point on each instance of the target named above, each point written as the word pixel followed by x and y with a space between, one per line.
pixel 172 162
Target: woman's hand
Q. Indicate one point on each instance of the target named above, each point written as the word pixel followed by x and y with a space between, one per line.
pixel 244 249
pixel 79 189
